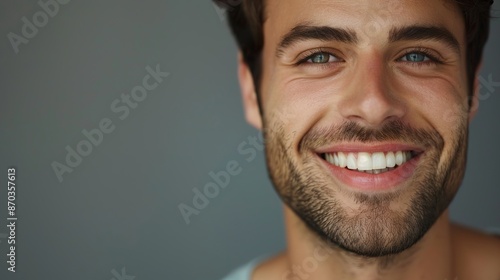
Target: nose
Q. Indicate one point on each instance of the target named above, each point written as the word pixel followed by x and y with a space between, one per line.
pixel 370 98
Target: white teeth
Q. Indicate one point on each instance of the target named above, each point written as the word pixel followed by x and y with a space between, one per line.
pixel 364 161
pixel 399 158
pixel 342 160
pixel 373 163
pixel 379 160
pixel 328 157
pixel 391 159
pixel 351 161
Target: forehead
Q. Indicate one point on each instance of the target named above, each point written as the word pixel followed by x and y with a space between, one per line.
pixel 368 18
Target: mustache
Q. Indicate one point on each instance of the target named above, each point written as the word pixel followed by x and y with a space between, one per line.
pixel 351 131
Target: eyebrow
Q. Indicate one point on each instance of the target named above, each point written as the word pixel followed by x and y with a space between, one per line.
pixel 417 32
pixel 303 32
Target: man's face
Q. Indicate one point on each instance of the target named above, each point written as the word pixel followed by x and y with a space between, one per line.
pixel 365 116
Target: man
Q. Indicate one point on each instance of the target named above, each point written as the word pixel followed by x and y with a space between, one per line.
pixel 365 107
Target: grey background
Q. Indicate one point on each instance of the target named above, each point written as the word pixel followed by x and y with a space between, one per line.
pixel 119 207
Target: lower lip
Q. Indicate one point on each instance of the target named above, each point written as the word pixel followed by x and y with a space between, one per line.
pixel 374 182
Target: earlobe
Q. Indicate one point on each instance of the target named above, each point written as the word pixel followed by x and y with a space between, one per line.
pixel 474 102
pixel 248 94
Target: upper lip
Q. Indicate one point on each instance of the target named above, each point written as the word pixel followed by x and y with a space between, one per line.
pixel 369 148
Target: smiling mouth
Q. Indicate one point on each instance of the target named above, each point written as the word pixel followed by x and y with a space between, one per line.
pixel 371 163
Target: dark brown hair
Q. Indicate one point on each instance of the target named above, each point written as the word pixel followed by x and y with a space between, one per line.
pixel 246 19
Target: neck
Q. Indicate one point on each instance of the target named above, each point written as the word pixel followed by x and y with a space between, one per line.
pixel 308 257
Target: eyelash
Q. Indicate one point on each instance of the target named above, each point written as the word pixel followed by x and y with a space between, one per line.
pixel 433 59
pixel 311 53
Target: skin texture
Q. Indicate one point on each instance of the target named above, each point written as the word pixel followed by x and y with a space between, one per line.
pixel 366 92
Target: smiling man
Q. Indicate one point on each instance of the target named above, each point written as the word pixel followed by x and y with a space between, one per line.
pixel 365 107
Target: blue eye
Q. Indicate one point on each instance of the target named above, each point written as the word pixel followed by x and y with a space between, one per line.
pixel 321 58
pixel 415 57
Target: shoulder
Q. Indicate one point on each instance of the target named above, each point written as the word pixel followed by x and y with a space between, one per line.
pixel 272 268
pixel 477 253
pixel 247 271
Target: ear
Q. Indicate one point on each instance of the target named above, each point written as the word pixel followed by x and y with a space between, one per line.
pixel 248 94
pixel 474 105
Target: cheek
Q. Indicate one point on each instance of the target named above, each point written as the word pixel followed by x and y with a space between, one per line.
pixel 300 104
pixel 440 105
pixel 439 102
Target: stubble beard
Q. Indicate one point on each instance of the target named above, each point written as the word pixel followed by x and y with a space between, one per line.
pixel 373 228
